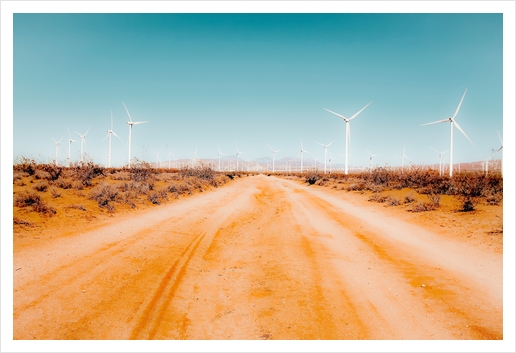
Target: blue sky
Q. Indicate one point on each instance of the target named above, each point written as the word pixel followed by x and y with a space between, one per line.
pixel 257 79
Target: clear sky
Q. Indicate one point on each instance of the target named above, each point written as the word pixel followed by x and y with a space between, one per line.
pixel 257 79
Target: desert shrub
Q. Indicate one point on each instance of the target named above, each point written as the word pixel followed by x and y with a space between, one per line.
pixel 26 198
pixel 103 194
pixel 21 222
pixel 409 198
pixel 155 197
pixel 435 199
pixel 494 198
pixel 392 201
pixel 312 177
pixel 76 207
pixel 44 208
pixel 41 174
pixel 422 207
pixel 377 197
pixel 77 185
pixel 86 172
pixel 141 171
pixel 63 183
pixel 55 193
pixel 25 165
pixel 41 186
pixel 202 172
pixel 467 205
pixel 121 176
pixel 53 170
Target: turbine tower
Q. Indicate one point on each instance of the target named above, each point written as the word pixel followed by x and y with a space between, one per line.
pixel 169 154
pixel 83 143
pixel 109 133
pixel 452 122
pixel 237 154
pixel 69 147
pixel 498 150
pixel 348 136
pixel 273 153
pixel 131 123
pixel 325 152
pixel 440 160
pixel 403 156
pixel 57 143
pixel 301 152
pixel 371 160
pixel 220 153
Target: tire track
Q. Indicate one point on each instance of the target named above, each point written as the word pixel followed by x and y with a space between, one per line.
pixel 148 324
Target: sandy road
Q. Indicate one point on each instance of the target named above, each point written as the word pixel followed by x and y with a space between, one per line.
pixel 261 258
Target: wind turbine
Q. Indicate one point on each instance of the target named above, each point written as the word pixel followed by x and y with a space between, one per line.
pixel 403 156
pixel 348 136
pixel 330 160
pixel 498 150
pixel 452 123
pixel 237 154
pixel 131 123
pixel 194 156
pixel 273 153
pixel 169 154
pixel 440 160
pixel 57 143
pixel 371 160
pixel 220 153
pixel 157 158
pixel 301 152
pixel 83 143
pixel 109 133
pixel 325 152
pixel 69 146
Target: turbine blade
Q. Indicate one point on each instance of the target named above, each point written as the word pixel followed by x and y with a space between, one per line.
pixel 105 137
pixel 458 127
pixel 457 111
pixel 319 143
pixel 435 150
pixel 116 135
pixel 330 143
pixel 360 111
pixel 139 122
pixel 501 141
pixel 87 131
pixel 340 116
pixel 131 120
pixel 436 122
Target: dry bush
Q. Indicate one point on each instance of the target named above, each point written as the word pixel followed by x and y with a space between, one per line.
pixel 202 172
pixel 55 193
pixel 141 171
pixel 76 207
pixel 54 171
pixel 377 197
pixel 85 172
pixel 154 198
pixel 41 174
pixel 104 194
pixel 42 186
pixel 63 183
pixel 21 222
pixel 409 198
pixel 26 198
pixel 392 201
pixel 121 176
pixel 312 177
pixel 25 165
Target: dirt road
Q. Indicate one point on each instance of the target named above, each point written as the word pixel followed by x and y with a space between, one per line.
pixel 261 258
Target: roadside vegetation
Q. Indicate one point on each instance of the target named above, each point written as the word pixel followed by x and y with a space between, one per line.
pixel 421 188
pixel 41 191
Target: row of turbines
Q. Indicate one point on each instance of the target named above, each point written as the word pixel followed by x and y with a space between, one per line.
pixel 131 123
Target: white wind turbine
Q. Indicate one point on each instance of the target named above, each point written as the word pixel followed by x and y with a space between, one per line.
pixel 237 154
pixel 301 152
pixel 440 160
pixel 452 122
pixel 109 133
pixel 273 153
pixel 403 156
pixel 83 143
pixel 348 133
pixel 157 159
pixel 498 150
pixel 371 160
pixel 131 123
pixel 194 156
pixel 325 152
pixel 220 153
pixel 57 143
pixel 169 154
pixel 69 146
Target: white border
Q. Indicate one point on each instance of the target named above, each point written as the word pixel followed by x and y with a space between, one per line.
pixel 7 10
